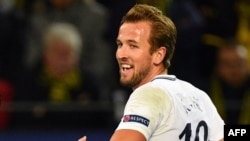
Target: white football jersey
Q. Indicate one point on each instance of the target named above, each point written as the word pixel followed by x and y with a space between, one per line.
pixel 171 109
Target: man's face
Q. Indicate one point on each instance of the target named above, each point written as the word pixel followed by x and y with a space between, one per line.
pixel 133 53
pixel 232 67
pixel 59 58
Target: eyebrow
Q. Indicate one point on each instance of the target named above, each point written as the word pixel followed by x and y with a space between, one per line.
pixel 128 41
pixel 132 41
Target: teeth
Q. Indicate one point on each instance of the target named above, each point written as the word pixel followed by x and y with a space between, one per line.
pixel 126 66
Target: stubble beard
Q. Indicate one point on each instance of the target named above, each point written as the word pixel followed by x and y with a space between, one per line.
pixel 136 79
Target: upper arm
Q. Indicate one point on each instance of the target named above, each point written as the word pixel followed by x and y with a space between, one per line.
pixel 142 114
pixel 127 135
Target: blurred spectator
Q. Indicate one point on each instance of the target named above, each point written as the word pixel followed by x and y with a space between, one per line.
pixel 12 31
pixel 217 15
pixel 90 19
pixel 230 83
pixel 243 28
pixel 58 79
pixel 189 23
pixel 58 76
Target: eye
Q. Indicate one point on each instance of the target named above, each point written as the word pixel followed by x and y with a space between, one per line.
pixel 133 46
pixel 119 44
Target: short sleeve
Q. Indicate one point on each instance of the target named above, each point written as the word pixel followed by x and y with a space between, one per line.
pixel 145 109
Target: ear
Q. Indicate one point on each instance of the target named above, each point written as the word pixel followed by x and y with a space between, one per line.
pixel 159 55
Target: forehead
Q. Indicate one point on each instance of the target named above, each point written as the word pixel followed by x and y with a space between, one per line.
pixel 231 55
pixel 136 31
pixel 228 52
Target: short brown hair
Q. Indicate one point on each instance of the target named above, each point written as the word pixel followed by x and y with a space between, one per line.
pixel 163 30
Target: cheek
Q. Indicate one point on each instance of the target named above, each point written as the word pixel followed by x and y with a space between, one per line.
pixel 223 71
pixel 50 60
pixel 144 61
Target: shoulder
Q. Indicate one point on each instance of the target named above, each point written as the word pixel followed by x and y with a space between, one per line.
pixel 150 95
pixel 149 90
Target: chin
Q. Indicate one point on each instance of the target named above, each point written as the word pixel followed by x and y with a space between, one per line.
pixel 125 82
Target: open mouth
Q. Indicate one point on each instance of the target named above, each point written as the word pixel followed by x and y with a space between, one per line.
pixel 126 67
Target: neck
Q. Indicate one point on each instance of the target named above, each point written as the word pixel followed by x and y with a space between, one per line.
pixel 147 79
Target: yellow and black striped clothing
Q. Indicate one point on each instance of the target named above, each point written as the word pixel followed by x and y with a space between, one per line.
pixel 233 104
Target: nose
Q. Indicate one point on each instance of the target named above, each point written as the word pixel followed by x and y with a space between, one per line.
pixel 122 52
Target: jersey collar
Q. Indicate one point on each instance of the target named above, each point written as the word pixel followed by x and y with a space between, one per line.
pixel 168 77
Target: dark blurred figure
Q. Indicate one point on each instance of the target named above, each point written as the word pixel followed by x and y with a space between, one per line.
pixel 217 15
pixel 190 25
pixel 243 28
pixel 230 83
pixel 12 33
